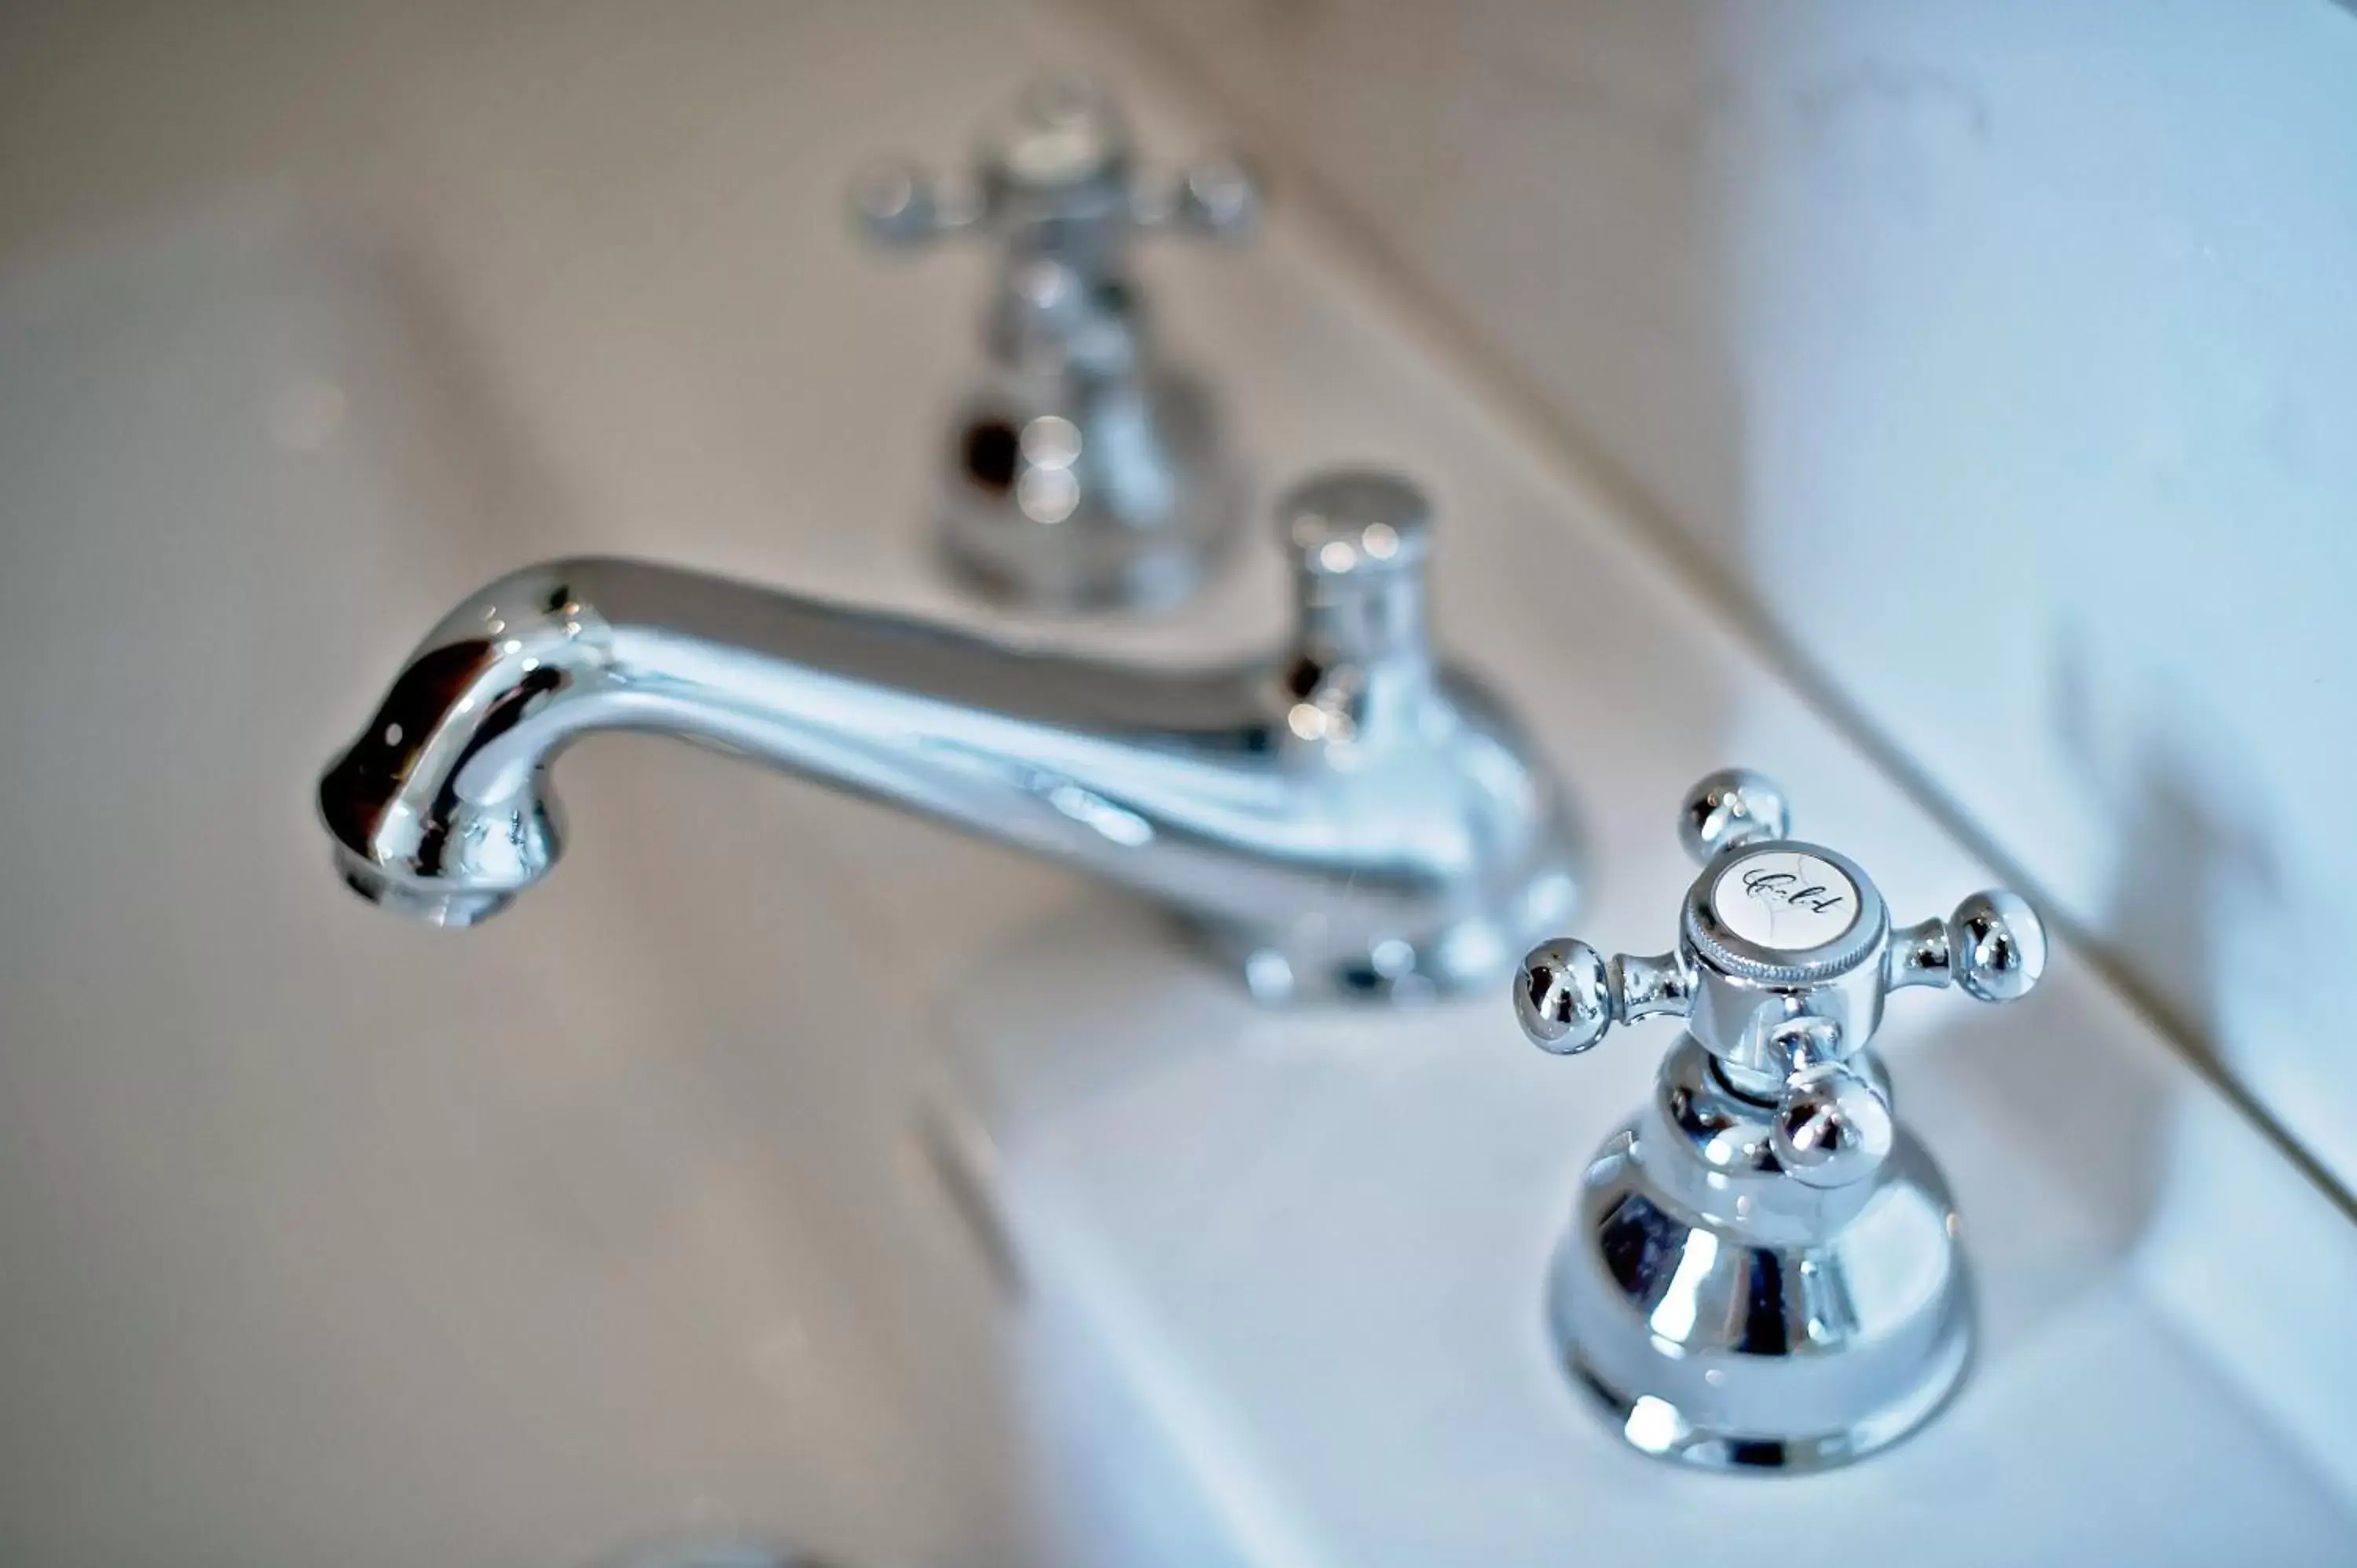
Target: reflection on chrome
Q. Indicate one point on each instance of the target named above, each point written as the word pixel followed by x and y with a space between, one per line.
pixel 1408 841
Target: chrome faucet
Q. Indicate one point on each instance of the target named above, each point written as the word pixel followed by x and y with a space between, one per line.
pixel 1349 817
pixel 1084 471
pixel 1763 1268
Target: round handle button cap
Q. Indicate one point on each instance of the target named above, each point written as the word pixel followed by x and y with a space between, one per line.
pixel 1563 996
pixel 1998 944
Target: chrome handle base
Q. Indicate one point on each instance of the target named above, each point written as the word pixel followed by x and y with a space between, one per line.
pixel 1722 1287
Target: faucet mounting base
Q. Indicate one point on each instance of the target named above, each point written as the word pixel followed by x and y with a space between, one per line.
pixel 1743 1345
pixel 1316 964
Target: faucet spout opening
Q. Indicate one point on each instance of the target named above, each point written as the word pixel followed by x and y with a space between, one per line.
pixel 438 810
pixel 430 906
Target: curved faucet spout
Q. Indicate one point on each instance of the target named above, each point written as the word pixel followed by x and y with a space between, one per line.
pixel 1345 817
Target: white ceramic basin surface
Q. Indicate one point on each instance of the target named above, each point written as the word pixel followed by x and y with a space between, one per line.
pixel 668 1201
pixel 333 1239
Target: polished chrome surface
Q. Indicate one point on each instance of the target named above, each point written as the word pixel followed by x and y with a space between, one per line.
pixel 1349 817
pixel 1084 471
pixel 1763 1269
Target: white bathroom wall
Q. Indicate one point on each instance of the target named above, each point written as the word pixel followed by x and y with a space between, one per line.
pixel 2002 357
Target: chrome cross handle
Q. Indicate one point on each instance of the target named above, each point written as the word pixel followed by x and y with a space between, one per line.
pixel 1085 470
pixel 1724 1286
pixel 1785 953
pixel 1057 177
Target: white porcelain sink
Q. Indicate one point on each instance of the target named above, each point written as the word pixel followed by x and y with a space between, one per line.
pixel 791 1168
